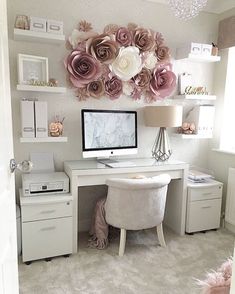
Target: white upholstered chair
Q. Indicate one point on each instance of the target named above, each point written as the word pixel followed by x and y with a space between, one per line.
pixel 136 204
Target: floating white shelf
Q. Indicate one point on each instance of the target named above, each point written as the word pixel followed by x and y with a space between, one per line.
pixel 44 140
pixel 193 136
pixel 196 97
pixel 31 36
pixel 41 89
pixel 198 58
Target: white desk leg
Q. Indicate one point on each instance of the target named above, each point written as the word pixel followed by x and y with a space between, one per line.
pixel 74 191
pixel 175 214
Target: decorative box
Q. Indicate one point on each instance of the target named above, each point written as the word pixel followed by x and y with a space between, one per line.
pixel 203 117
pixel 38 24
pixel 196 48
pixel 206 49
pixel 55 26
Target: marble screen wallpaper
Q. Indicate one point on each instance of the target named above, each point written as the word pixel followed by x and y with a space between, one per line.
pixel 109 130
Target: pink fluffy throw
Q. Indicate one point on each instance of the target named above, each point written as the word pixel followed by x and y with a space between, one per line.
pixel 218 282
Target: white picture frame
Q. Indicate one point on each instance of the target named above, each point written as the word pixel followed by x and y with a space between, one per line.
pixel 31 67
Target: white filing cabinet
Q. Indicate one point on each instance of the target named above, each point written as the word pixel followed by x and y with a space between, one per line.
pixel 203 206
pixel 46 226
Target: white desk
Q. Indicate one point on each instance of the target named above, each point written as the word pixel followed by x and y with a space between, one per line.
pixel 90 172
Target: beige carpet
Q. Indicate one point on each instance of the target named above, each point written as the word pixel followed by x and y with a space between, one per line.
pixel 145 268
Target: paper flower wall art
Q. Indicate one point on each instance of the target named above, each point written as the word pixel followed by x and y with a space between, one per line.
pixel 131 60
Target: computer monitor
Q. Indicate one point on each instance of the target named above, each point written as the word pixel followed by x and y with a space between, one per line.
pixel 108 132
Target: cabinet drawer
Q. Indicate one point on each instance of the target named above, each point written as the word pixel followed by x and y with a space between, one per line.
pixel 46 238
pixel 210 192
pixel 203 215
pixel 46 211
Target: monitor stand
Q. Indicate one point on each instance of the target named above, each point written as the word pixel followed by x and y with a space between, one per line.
pixel 106 161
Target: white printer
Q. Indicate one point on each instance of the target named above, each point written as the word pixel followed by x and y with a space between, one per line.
pixel 35 184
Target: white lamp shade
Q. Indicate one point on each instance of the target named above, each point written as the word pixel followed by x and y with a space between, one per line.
pixel 163 116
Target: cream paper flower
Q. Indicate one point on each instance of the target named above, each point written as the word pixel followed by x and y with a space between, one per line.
pixel 150 61
pixel 128 88
pixel 78 36
pixel 127 64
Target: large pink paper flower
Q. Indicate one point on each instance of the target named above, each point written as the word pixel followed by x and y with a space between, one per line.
pixel 113 88
pixel 163 81
pixel 144 40
pixel 103 48
pixel 123 37
pixel 82 68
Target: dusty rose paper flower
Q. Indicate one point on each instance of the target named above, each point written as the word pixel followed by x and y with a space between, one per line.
pixel 143 39
pixel 79 36
pixel 103 48
pixel 96 89
pixel 84 26
pixel 158 39
pixel 82 68
pixel 127 64
pixel 111 29
pixel 123 37
pixel 136 95
pixel 82 94
pixel 132 26
pixel 113 88
pixel 163 81
pixel 162 53
pixel 142 79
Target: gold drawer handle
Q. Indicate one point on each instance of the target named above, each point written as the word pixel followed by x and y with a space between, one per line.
pixel 48 228
pixel 206 206
pixel 47 211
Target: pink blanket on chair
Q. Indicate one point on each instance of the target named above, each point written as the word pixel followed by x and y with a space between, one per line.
pixel 99 228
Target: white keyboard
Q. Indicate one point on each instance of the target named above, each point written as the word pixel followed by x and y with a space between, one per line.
pixel 121 164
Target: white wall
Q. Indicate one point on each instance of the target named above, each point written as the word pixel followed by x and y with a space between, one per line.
pixel 101 12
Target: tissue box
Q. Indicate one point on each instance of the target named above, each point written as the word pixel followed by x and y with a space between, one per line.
pixel 55 26
pixel 206 49
pixel 38 24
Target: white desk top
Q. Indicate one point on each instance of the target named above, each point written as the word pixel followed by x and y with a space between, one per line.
pixel 87 164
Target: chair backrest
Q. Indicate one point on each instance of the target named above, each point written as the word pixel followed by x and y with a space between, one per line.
pixel 135 204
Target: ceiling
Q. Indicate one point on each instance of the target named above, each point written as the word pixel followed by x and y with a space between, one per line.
pixel 213 6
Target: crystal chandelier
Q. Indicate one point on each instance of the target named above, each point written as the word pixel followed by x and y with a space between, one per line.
pixel 186 9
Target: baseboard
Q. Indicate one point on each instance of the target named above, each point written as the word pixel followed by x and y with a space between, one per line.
pixel 230 227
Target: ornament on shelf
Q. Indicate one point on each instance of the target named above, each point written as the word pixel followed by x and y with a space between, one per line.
pixel 52 83
pixel 187 128
pixel 215 50
pixel 196 90
pixel 56 127
pixel 22 22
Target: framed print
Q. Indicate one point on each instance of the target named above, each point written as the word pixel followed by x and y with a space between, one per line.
pixel 32 68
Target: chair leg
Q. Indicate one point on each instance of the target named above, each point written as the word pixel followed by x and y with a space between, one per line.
pixel 161 235
pixel 122 242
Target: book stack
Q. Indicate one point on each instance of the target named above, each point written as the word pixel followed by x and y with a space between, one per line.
pixel 198 177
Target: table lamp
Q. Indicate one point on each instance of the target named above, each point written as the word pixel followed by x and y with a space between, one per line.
pixel 163 117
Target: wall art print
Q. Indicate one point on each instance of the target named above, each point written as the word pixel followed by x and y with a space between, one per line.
pixel 131 60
